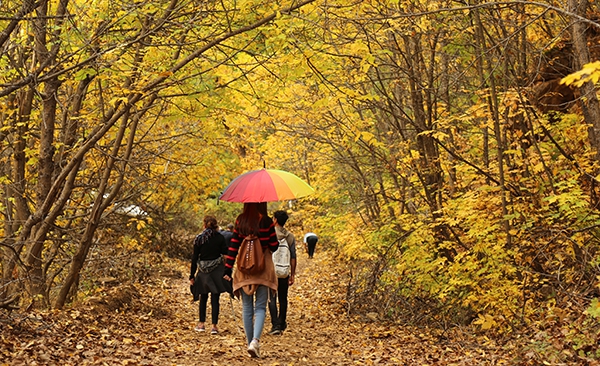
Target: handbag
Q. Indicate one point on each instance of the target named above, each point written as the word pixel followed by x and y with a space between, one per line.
pixel 209 266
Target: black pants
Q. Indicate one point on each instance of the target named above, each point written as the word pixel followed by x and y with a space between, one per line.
pixel 311 242
pixel 214 307
pixel 279 322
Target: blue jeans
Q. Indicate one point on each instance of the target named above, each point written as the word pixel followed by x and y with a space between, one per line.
pixel 253 313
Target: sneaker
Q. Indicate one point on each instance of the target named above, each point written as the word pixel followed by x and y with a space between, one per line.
pixel 275 331
pixel 214 331
pixel 199 328
pixel 254 349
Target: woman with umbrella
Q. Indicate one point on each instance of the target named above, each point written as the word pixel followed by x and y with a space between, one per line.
pixel 255 188
pixel 253 289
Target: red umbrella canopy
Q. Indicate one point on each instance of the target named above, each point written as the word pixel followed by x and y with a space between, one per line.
pixel 266 185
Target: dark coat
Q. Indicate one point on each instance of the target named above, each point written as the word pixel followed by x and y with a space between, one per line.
pixel 212 282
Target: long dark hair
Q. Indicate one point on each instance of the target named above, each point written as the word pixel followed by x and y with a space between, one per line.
pixel 248 221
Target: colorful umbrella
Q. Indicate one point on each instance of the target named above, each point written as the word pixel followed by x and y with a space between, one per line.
pixel 265 185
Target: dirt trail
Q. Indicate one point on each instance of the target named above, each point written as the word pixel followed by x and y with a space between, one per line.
pixel 155 327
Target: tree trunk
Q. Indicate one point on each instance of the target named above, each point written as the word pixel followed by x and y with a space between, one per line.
pixel 46 54
pixel 492 101
pixel 430 172
pixel 589 99
pixel 16 212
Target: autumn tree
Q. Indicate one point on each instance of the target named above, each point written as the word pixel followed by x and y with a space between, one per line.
pixel 449 182
pixel 90 99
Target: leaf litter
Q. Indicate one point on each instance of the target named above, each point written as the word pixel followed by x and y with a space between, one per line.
pixel 152 323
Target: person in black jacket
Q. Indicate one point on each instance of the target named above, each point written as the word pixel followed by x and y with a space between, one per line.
pixel 279 318
pixel 311 239
pixel 228 234
pixel 207 261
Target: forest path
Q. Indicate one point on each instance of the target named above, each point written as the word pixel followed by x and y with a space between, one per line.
pixel 153 325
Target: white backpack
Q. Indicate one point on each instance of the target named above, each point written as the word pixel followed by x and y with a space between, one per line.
pixel 281 259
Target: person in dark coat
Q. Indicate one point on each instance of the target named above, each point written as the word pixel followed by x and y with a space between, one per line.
pixel 207 261
pixel 279 318
pixel 227 234
pixel 311 239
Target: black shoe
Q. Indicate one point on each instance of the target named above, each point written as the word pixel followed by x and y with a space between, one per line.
pixel 275 331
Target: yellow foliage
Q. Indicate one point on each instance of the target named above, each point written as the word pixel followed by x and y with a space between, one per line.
pixel 590 72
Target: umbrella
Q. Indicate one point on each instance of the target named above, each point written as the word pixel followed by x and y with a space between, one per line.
pixel 266 185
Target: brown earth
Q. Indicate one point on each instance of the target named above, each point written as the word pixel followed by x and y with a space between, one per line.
pixel 152 324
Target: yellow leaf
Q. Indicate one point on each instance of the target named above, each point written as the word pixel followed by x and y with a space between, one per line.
pixel 589 72
pixel 485 321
